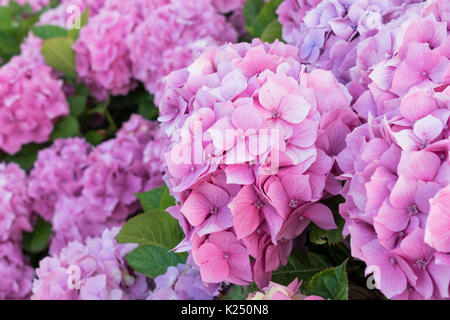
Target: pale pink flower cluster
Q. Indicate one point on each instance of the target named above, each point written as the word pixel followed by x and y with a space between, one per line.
pixel 276 291
pixel 36 5
pixel 94 269
pixel 31 100
pixel 82 190
pixel 172 36
pixel 15 218
pixel 182 282
pixel 253 140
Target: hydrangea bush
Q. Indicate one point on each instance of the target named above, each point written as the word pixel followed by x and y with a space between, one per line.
pixel 239 149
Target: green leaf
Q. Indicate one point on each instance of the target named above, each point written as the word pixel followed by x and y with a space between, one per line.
pixel 251 11
pixel 65 128
pixel 299 266
pixel 239 292
pixel 59 55
pixel 330 284
pixel 153 261
pixel 155 228
pixel 272 32
pixel 158 198
pixel 147 107
pixel 26 157
pixel 37 240
pixel 93 137
pixel 330 237
pixel 75 33
pixel 78 101
pixel 259 15
pixel 49 31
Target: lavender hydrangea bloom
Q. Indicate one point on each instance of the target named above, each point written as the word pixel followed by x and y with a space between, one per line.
pixel 183 282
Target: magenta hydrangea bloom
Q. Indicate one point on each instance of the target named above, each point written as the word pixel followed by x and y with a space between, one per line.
pixel 253 143
pixel 182 282
pixel 31 101
pixel 16 275
pixel 102 55
pixel 15 206
pixel 91 270
pixel 396 169
pixel 276 291
pixel 82 190
pixel 58 172
pixel 172 36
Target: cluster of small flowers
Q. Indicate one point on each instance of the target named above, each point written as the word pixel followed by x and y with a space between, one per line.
pixel 15 217
pixel 93 270
pixel 253 142
pixel 356 39
pixel 393 56
pixel 141 40
pixel 172 36
pixel 36 5
pixel 31 99
pixel 398 173
pixel 182 282
pixel 82 190
pixel 278 292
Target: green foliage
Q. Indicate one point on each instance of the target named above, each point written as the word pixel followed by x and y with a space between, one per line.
pixel 300 266
pixel 15 22
pixel 158 198
pixel 59 55
pixel 65 128
pixel 155 227
pixel 261 20
pixel 235 292
pixel 37 240
pixel 272 32
pixel 26 157
pixel 330 284
pixel 78 101
pixel 49 31
pixel 153 260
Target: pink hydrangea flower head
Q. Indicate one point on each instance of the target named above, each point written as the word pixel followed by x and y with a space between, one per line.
pixel 15 212
pixel 252 142
pixel 172 36
pixel 31 101
pixel 58 172
pixel 92 270
pixel 16 275
pixel 395 170
pixel 102 56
